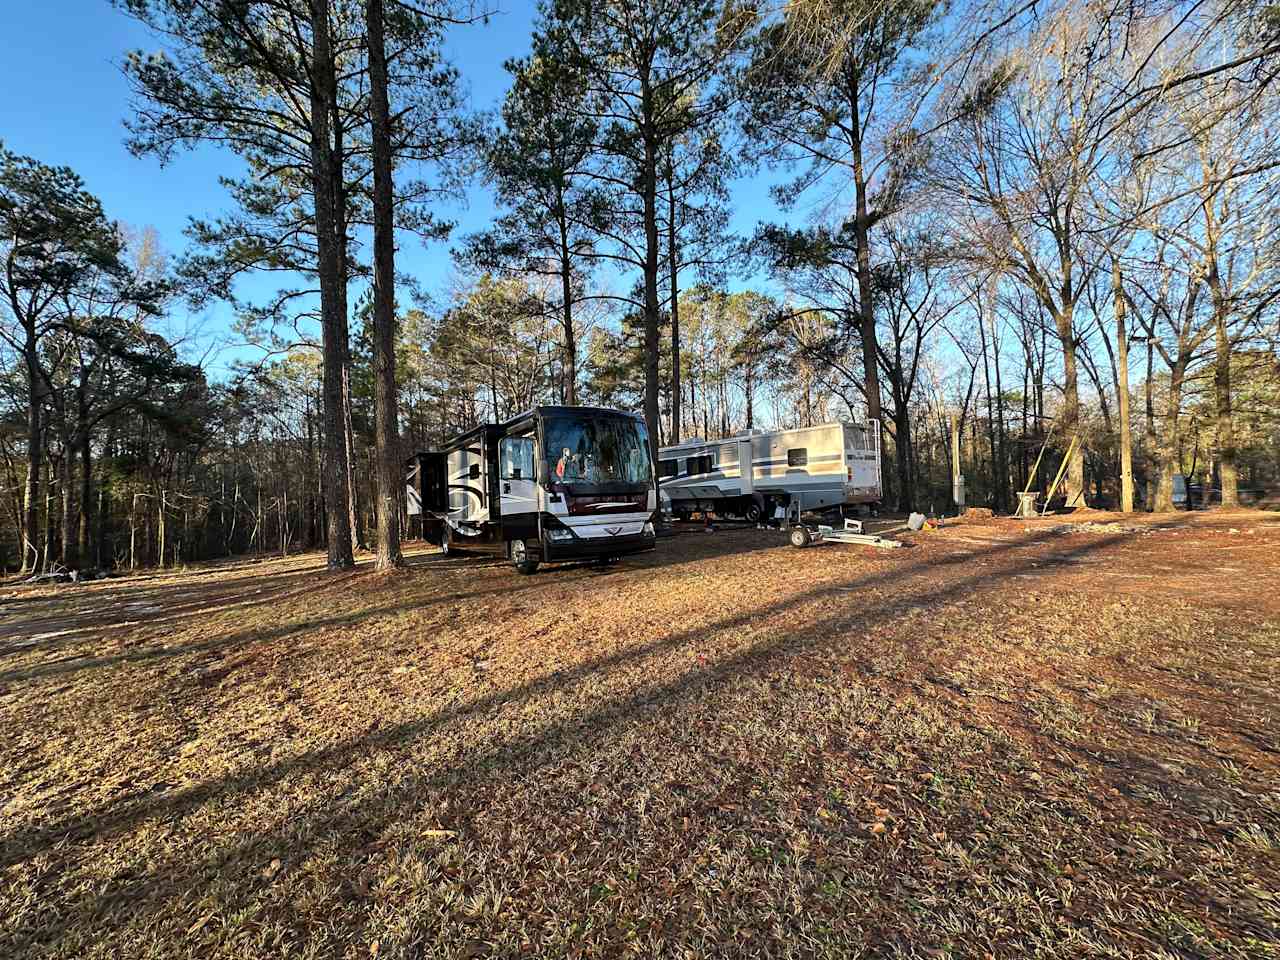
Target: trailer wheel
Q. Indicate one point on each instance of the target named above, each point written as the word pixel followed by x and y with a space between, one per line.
pixel 800 537
pixel 753 513
pixel 524 563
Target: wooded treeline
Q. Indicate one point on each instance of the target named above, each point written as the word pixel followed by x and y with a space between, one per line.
pixel 1024 224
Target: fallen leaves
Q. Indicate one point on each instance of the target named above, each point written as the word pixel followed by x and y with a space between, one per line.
pixel 199 924
pixel 683 752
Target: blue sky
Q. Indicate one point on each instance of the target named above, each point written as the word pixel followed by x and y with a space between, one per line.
pixel 67 101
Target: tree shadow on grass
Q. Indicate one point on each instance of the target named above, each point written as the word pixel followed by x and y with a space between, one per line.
pixel 338 818
pixel 182 605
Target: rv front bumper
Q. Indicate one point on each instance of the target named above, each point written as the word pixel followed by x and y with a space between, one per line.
pixel 585 548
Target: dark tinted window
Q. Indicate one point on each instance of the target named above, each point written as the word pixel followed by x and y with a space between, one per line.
pixel 588 451
pixel 668 468
pixel 798 457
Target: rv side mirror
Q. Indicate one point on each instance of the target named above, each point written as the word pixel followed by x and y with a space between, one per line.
pixel 474 472
pixel 515 474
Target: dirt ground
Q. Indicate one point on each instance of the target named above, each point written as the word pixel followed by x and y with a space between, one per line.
pixel 1054 738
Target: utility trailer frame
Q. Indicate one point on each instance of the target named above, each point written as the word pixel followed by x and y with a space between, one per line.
pixel 803 535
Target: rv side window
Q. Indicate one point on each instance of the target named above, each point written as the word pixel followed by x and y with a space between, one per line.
pixel 798 457
pixel 517 458
pixel 704 464
pixel 668 468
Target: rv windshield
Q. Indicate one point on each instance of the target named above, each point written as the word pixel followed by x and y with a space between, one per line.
pixel 608 452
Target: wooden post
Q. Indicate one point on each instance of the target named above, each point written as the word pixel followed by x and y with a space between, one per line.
pixel 1122 369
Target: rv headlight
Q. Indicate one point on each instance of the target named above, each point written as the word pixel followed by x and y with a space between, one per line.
pixel 648 528
pixel 559 534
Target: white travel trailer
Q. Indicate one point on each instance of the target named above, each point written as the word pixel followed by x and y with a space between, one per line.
pixel 555 483
pixel 822 468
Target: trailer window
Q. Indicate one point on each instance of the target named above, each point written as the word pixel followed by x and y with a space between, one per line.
pixel 798 457
pixel 517 458
pixel 668 468
pixel 704 464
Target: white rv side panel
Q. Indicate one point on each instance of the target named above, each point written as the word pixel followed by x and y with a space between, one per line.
pixel 468 500
pixel 818 467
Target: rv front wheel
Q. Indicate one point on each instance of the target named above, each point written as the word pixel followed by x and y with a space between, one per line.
pixel 520 557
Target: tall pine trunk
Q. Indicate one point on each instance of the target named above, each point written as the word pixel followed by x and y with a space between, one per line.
pixel 1227 471
pixel 862 240
pixel 333 321
pixel 1070 420
pixel 31 493
pixel 384 314
pixel 86 497
pixel 1167 451
pixel 67 532
pixel 902 458
pixel 569 387
pixel 649 190
pixel 673 269
pixel 1002 441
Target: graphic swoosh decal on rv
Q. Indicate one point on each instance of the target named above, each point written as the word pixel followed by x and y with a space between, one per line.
pixel 479 494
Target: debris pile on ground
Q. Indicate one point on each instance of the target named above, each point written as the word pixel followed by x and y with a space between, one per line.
pixel 1093 526
pixel 67 576
pixel 978 513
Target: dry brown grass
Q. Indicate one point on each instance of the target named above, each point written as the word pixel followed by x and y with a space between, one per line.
pixel 1007 740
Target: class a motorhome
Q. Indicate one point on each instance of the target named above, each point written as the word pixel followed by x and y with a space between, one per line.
pixel 555 483
pixel 809 469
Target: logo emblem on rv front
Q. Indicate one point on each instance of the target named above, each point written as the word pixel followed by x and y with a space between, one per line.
pixel 613 531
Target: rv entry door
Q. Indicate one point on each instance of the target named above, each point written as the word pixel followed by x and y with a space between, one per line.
pixel 517 459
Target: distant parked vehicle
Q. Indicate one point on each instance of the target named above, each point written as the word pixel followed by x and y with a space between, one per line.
pixel 809 469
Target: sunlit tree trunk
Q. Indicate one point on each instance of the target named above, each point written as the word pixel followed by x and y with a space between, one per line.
pixel 333 321
pixel 672 268
pixel 384 317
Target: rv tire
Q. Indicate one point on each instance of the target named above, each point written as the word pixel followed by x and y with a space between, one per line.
pixel 519 553
pixel 753 512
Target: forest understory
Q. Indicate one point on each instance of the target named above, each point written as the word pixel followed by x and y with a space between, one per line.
pixel 1010 738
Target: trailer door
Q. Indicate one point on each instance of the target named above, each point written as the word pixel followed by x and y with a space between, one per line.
pixel 862 460
pixel 746 469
